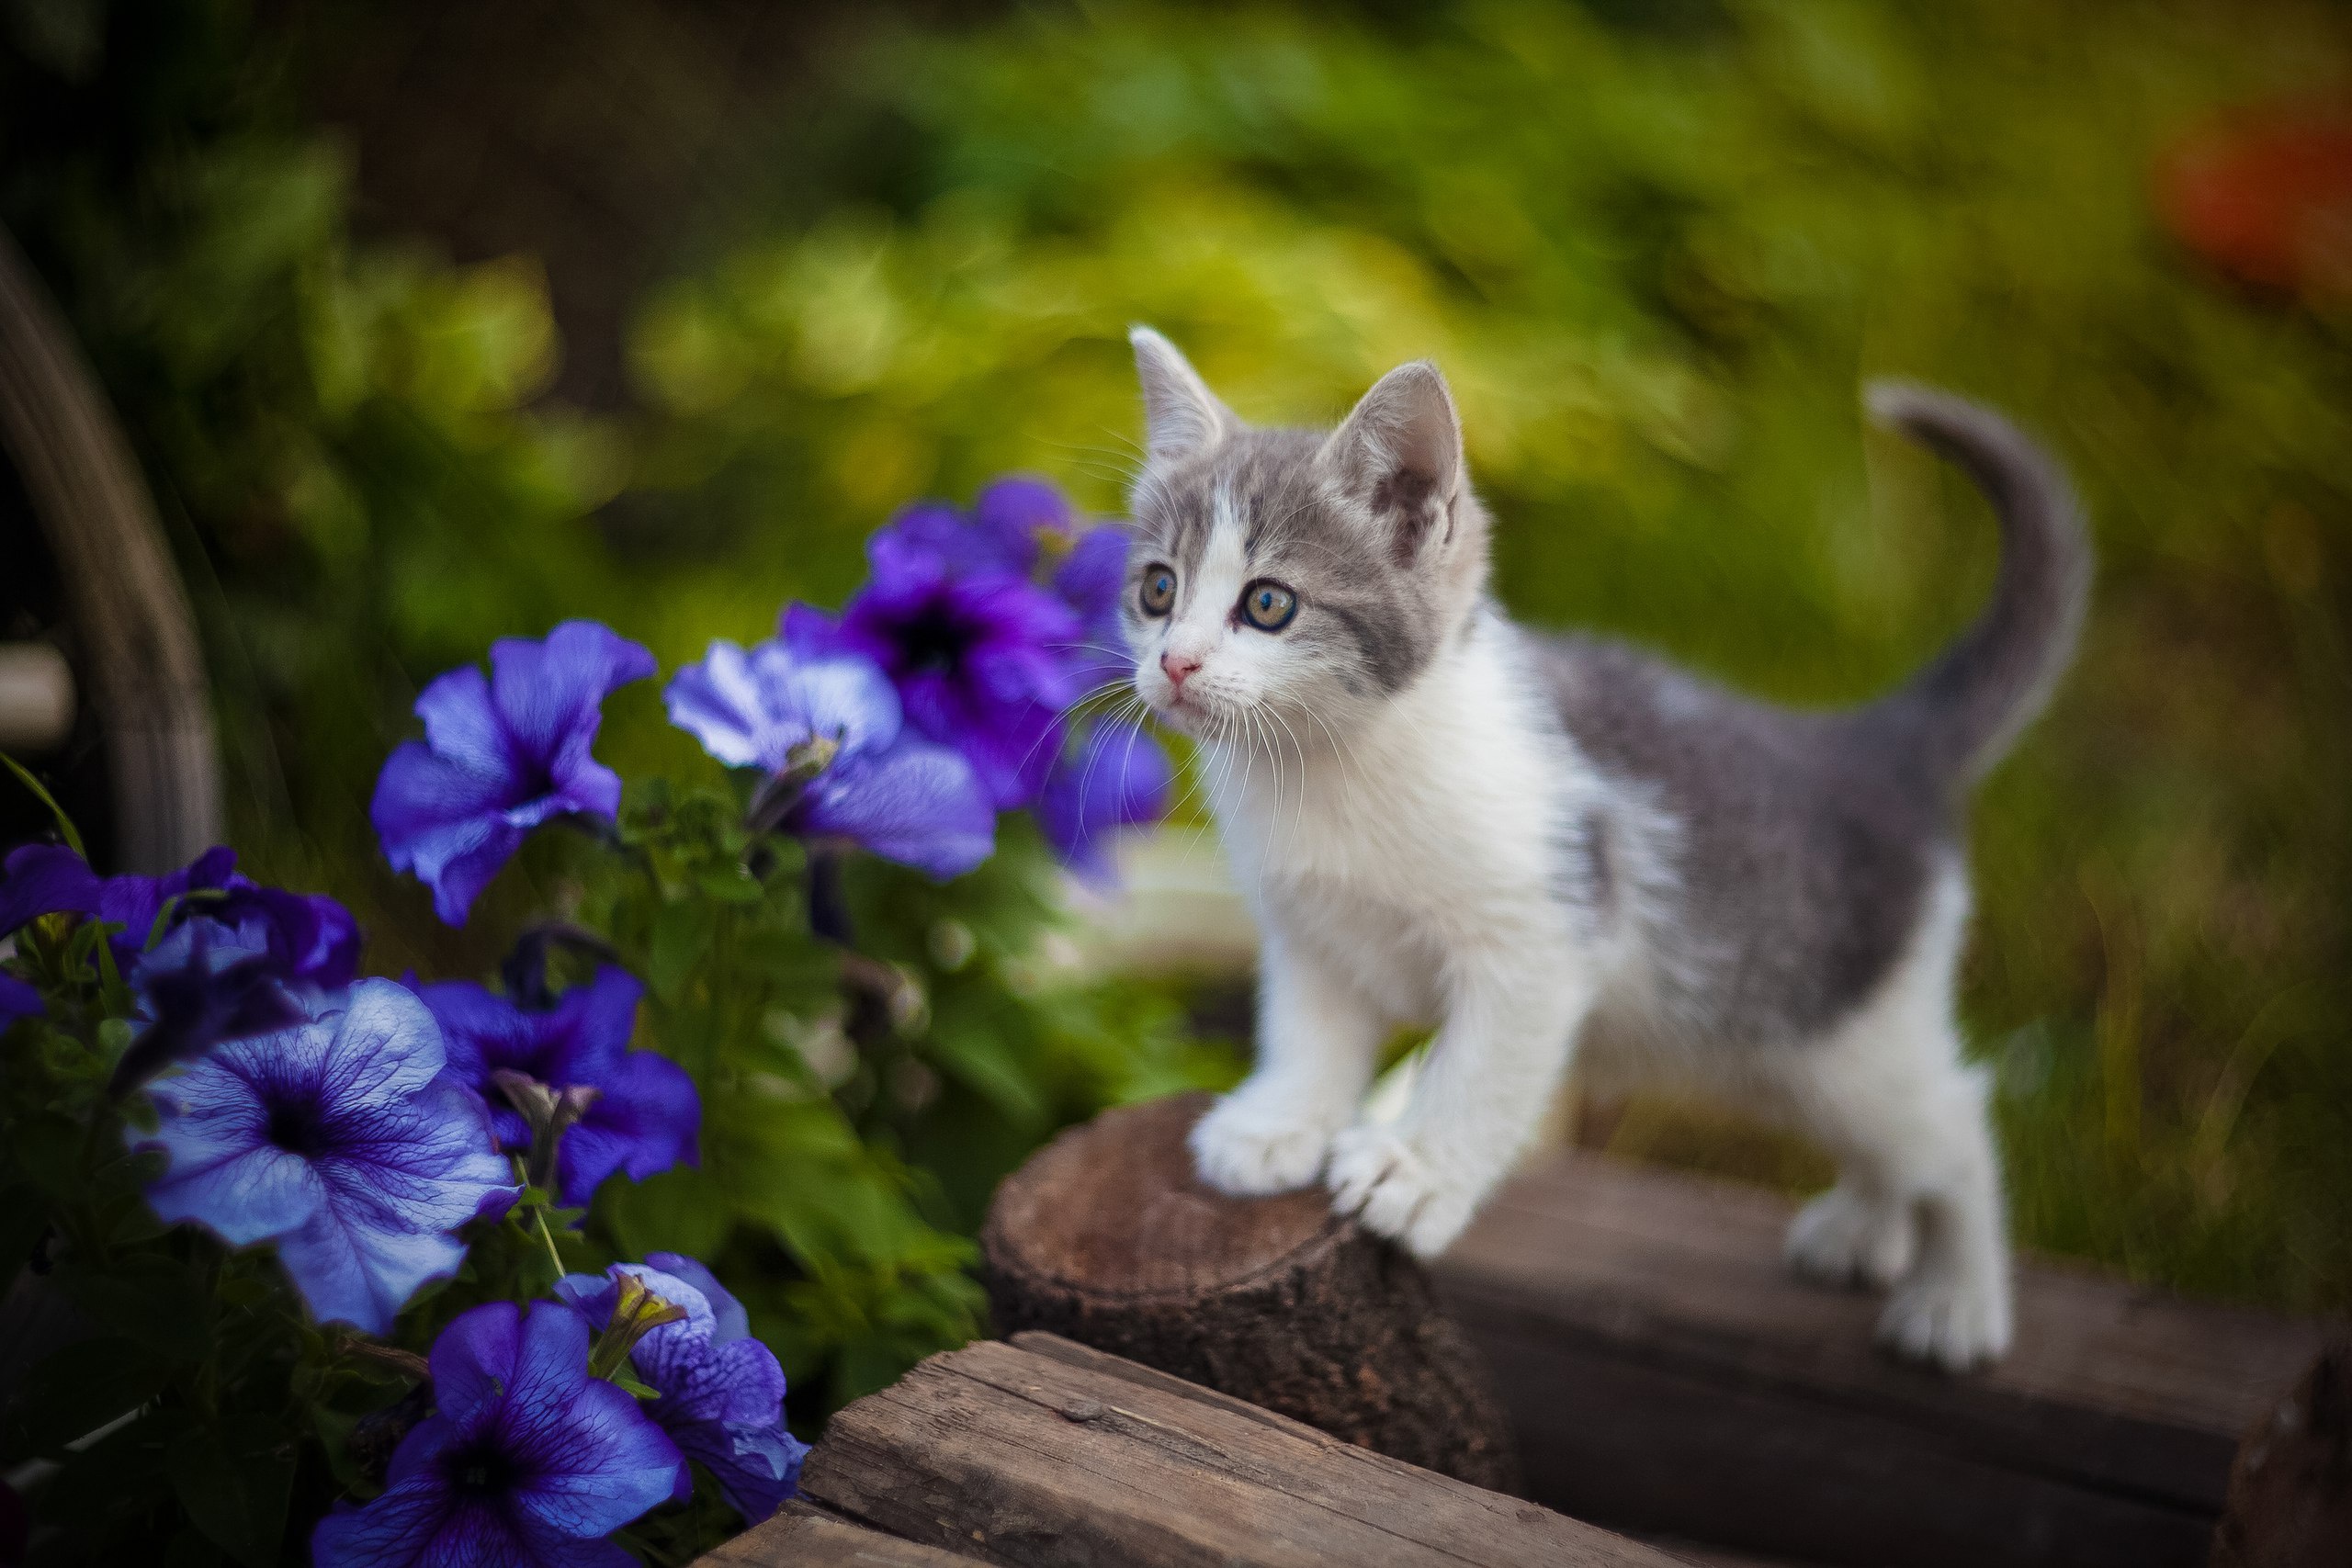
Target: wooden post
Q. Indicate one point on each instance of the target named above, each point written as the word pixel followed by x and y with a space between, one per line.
pixel 2291 1489
pixel 1107 1237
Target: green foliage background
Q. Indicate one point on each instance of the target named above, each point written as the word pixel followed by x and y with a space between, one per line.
pixel 1655 248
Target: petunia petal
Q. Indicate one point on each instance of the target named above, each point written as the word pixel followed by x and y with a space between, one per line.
pixel 46 879
pixel 729 1320
pixel 1118 777
pixel 916 804
pixel 17 1000
pixel 546 692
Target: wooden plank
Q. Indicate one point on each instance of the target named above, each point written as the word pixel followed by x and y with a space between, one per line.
pixel 1023 1459
pixel 802 1537
pixel 1667 1375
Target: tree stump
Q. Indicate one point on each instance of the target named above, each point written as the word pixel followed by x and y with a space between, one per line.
pixel 1106 1236
pixel 2290 1490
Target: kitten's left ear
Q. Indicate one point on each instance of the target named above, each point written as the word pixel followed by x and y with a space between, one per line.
pixel 1400 455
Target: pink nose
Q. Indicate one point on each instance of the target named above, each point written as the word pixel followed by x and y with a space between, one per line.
pixel 1177 670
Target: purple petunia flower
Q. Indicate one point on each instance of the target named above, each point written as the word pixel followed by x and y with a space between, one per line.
pixel 526 1461
pixel 829 730
pixel 45 879
pixel 722 1392
pixel 1090 581
pixel 205 983
pixel 646 1116
pixel 979 654
pixel 500 756
pixel 1022 518
pixel 309 937
pixel 340 1140
pixel 1117 776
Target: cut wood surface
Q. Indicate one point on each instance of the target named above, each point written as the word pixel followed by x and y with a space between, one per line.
pixel 1107 1236
pixel 1668 1375
pixel 1045 1453
pixel 2290 1490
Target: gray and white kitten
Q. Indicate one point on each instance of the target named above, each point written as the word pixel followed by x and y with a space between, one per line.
pixel 1546 846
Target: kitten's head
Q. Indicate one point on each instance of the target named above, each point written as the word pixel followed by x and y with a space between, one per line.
pixel 1292 571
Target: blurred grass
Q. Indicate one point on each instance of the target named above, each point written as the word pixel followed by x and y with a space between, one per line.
pixel 1656 259
pixel 1655 248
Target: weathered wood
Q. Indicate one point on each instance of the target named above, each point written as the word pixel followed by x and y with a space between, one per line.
pixel 147 673
pixel 802 1537
pixel 1669 1376
pixel 1041 1461
pixel 2291 1489
pixel 1107 1236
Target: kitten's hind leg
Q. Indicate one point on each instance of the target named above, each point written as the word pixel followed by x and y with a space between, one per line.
pixel 1955 1308
pixel 1919 1182
pixel 1316 1039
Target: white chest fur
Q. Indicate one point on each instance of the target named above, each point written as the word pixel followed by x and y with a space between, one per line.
pixel 1430 831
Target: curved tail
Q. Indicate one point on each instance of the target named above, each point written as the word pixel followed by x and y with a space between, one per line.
pixel 1961 712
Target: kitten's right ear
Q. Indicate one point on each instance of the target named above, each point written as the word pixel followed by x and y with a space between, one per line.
pixel 1181 414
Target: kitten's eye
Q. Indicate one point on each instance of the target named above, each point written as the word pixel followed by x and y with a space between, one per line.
pixel 1268 605
pixel 1159 590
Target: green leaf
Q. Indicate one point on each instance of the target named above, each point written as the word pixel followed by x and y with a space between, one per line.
pixel 735 886
pixel 681 935
pixel 233 1479
pixel 24 1217
pixel 156 1301
pixel 682 1210
pixel 64 823
pixel 627 1381
pixel 77 1388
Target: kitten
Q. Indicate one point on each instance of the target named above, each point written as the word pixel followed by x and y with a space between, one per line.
pixel 1545 845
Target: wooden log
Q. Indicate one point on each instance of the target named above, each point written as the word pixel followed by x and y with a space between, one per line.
pixel 804 1537
pixel 2291 1489
pixel 1071 1457
pixel 1106 1236
pixel 1668 1376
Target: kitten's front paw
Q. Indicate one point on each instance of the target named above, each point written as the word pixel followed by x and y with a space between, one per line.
pixel 1246 1150
pixel 1845 1238
pixel 1378 1175
pixel 1946 1319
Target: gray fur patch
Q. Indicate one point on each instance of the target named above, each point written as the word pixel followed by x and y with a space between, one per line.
pixel 1361 613
pixel 1804 852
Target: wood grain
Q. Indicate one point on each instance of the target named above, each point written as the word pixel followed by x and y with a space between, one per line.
pixel 1108 1236
pixel 1667 1375
pixel 1019 1458
pixel 801 1536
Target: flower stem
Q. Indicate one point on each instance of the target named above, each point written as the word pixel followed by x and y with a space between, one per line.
pixel 549 1236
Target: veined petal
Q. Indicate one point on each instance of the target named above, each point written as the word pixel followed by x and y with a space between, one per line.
pixel 591 1026
pixel 254 1194
pixel 421 793
pixel 356 1274
pixel 403 1527
pixel 843 699
pixel 718 704
pixel 729 1320
pixel 473 1360
pixel 546 691
pixel 387 1046
pixel 916 804
pixel 647 1118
